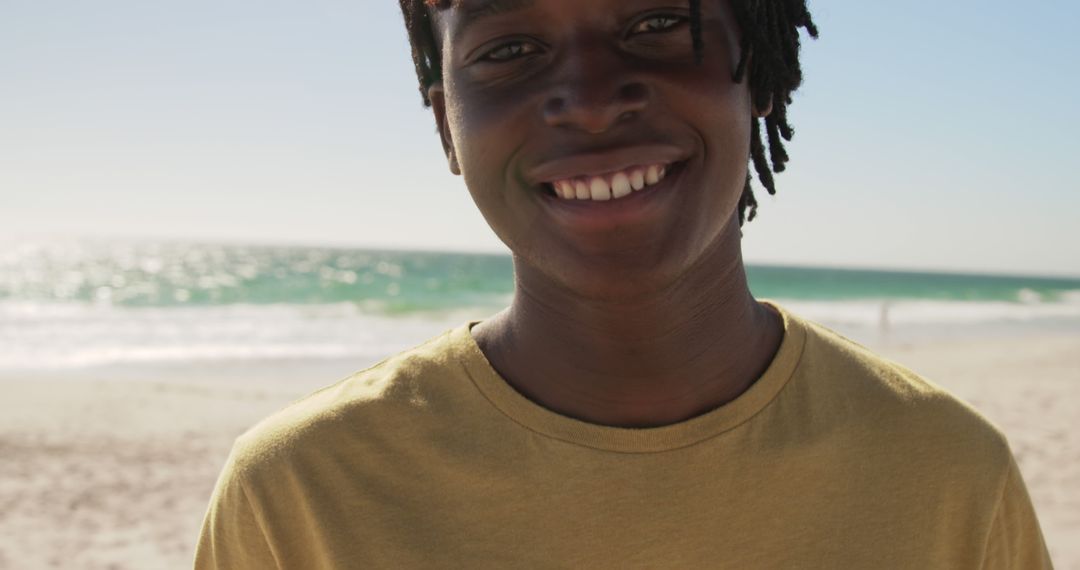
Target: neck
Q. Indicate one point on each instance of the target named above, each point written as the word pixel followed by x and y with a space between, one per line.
pixel 645 361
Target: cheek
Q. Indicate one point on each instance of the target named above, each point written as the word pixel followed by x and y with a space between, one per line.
pixel 487 132
pixel 720 112
pixel 729 106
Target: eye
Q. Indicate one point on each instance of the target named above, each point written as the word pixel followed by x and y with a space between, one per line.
pixel 657 23
pixel 509 51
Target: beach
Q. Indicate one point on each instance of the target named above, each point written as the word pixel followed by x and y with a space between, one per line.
pixel 112 467
pixel 127 369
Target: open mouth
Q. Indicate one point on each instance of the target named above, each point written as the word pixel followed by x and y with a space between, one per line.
pixel 612 185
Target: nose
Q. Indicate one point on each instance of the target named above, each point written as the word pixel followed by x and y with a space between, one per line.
pixel 595 90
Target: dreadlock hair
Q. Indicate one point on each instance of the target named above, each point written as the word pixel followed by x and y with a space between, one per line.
pixel 770 32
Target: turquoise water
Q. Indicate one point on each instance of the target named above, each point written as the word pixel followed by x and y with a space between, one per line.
pixel 75 305
pixel 171 275
pixel 804 283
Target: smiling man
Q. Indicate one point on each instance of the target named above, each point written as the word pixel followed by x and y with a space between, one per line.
pixel 635 406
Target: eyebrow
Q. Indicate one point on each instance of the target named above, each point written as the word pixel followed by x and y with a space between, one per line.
pixel 480 9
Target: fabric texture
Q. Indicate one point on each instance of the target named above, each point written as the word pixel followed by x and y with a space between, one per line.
pixel 834 458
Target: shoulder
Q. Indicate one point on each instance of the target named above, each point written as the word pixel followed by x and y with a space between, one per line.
pixel 884 404
pixel 380 402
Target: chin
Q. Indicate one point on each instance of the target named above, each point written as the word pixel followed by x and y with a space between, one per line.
pixel 617 278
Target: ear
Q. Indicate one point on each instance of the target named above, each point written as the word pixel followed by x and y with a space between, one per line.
pixel 437 96
pixel 761 113
pixel 757 111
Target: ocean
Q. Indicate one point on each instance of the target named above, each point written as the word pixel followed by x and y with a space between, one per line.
pixel 78 305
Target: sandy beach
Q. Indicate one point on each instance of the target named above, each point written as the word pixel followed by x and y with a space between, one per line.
pixel 112 468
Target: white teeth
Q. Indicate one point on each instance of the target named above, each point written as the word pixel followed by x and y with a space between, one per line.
pixel 652 175
pixel 599 189
pixel 581 191
pixel 568 191
pixel 564 189
pixel 620 186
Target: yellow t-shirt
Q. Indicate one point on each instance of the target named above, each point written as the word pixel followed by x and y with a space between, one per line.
pixel 833 459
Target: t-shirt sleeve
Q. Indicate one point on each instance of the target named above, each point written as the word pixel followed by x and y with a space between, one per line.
pixel 1015 540
pixel 232 535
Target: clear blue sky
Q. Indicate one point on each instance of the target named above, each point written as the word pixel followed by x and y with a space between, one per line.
pixel 931 135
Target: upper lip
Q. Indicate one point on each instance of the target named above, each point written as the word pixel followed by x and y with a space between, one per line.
pixel 598 162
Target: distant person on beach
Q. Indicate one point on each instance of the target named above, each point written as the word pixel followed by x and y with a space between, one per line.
pixel 635 406
pixel 883 318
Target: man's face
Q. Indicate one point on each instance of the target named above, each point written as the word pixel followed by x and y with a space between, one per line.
pixel 594 144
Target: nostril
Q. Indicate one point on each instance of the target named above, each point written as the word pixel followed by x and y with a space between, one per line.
pixel 633 93
pixel 594 108
pixel 555 106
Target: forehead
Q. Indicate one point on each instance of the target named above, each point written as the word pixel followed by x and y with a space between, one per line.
pixel 452 18
pixel 467 11
pixel 490 7
pixel 460 14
